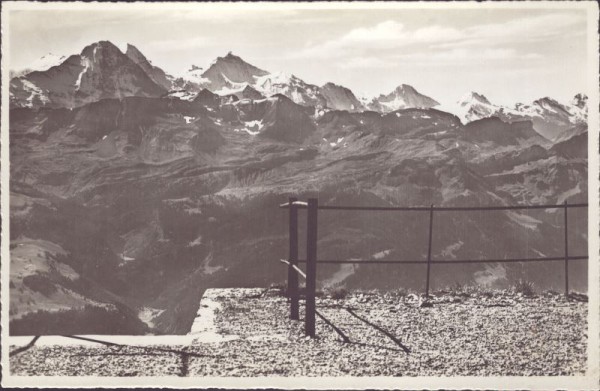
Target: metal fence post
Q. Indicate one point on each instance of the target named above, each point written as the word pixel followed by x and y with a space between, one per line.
pixel 429 250
pixel 566 252
pixel 293 259
pixel 311 266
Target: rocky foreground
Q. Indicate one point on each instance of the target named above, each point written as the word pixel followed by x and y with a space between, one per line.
pixel 246 332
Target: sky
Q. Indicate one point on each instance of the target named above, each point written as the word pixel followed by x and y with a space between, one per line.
pixel 509 55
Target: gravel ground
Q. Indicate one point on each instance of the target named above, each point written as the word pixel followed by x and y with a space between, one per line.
pixel 502 334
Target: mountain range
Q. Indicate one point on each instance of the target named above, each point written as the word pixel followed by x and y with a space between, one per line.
pixel 231 75
pixel 550 118
pixel 132 190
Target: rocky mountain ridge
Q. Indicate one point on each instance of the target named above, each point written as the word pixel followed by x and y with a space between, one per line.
pixel 100 71
pixel 550 117
pixel 404 96
pixel 231 75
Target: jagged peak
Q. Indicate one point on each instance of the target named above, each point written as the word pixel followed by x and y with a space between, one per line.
pixel 473 96
pixel 546 99
pixel 279 77
pixel 338 86
pixel 520 105
pixel 106 44
pixel 405 88
pixel 228 57
pixel 550 104
pixel 231 58
pixel 102 45
pixel 579 100
pixel 133 52
pixel 132 48
pixel 206 91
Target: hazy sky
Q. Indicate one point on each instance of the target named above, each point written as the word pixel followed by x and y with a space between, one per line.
pixel 508 55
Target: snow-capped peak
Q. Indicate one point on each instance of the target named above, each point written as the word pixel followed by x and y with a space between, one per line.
pixel 43 63
pixel 579 100
pixel 548 114
pixel 291 86
pixel 402 97
pixel 101 70
pixel 228 57
pixel 578 108
pixel 48 61
pixel 230 69
pixel 470 107
pixel 405 89
pixel 194 75
pixel 275 78
pixel 340 98
pixel 472 97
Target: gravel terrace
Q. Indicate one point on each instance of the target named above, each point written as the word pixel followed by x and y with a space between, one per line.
pixel 246 332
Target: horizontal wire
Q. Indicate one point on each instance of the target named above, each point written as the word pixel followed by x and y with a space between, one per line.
pixel 439 261
pixel 299 205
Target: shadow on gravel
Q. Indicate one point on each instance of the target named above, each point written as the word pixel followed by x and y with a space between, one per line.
pixel 24 348
pixel 387 333
pixel 145 351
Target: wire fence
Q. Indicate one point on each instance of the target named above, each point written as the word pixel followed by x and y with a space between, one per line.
pixel 312 207
pixel 294 271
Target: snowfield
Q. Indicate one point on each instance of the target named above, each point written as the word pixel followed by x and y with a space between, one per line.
pixel 246 332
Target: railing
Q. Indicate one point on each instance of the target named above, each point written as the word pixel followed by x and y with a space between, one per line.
pixel 311 261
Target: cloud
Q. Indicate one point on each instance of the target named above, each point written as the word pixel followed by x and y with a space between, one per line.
pixel 169 45
pixel 219 15
pixel 436 34
pixel 366 63
pixel 385 35
pixel 382 32
pixel 540 26
pixel 519 31
pixel 461 55
pixel 392 35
